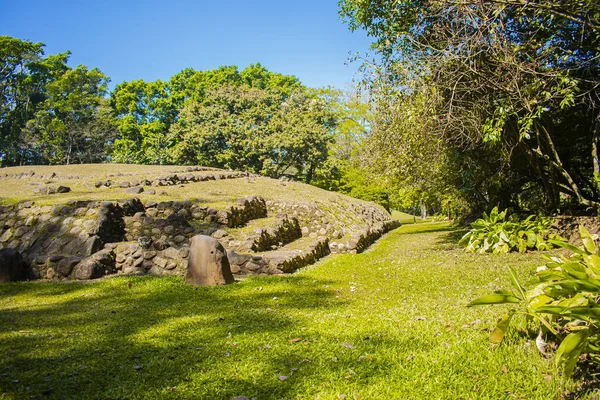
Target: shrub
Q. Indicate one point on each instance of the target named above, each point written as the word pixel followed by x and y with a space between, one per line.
pixel 565 301
pixel 495 233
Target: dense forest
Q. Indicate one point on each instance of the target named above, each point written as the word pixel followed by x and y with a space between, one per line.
pixel 464 106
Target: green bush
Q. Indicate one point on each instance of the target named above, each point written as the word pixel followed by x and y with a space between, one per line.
pixel 495 233
pixel 565 302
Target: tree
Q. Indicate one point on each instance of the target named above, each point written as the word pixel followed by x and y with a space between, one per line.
pixel 259 130
pixel 146 111
pixel 65 128
pixel 509 77
pixel 21 91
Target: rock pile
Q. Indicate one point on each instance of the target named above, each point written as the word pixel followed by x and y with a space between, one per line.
pixel 137 186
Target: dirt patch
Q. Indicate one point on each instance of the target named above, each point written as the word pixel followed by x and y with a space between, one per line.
pixel 568 227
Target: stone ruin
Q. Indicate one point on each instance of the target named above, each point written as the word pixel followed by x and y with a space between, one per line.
pixel 90 239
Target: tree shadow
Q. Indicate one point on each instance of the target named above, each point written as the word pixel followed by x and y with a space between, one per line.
pixel 453 237
pixel 109 340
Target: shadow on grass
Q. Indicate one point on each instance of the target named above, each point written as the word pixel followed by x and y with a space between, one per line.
pixel 107 340
pixel 454 236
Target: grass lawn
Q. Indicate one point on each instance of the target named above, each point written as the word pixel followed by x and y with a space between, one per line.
pixel 390 323
pixel 408 218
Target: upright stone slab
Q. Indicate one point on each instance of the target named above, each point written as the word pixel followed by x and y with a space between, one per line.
pixel 207 264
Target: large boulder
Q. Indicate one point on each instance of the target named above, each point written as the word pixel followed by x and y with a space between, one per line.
pixel 207 263
pixel 12 266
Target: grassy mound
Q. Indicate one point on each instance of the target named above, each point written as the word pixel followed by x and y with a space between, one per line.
pixel 215 193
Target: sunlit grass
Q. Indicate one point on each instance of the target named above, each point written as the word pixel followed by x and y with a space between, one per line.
pixel 390 323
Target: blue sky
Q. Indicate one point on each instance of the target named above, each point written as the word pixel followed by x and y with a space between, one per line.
pixel 132 39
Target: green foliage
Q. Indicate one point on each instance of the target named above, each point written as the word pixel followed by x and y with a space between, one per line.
pixel 371 193
pixel 497 233
pixel 253 119
pixel 66 128
pixel 260 130
pixel 564 300
pixel 509 98
pixel 50 112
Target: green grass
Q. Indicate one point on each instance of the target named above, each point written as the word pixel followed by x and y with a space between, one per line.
pixel 390 323
pixel 408 218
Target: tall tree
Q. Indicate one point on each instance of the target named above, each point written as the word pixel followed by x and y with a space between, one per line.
pixel 517 77
pixel 61 128
pixel 260 130
pixel 21 91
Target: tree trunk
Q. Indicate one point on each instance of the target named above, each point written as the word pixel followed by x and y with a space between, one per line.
pixel 423 210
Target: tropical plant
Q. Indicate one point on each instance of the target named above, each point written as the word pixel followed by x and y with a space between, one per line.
pixel 497 233
pixel 565 301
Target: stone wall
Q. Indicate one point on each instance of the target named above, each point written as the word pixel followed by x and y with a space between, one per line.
pixel 90 239
pixel 246 209
pixel 167 180
pixel 43 232
pixel 351 227
pixel 332 219
pixel 362 240
pixel 278 262
pixel 284 231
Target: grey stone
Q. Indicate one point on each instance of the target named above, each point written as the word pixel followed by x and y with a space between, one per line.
pixel 131 206
pixel 161 262
pixel 6 236
pixel 63 189
pixel 238 259
pixel 20 231
pixel 92 245
pixel 160 245
pixel 250 266
pixel 65 266
pixel 207 264
pixel 138 263
pixel 171 253
pixel 134 190
pixel 184 252
pixel 171 265
pixel 105 257
pixel 219 234
pixel 88 268
pixel 179 239
pixel 145 242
